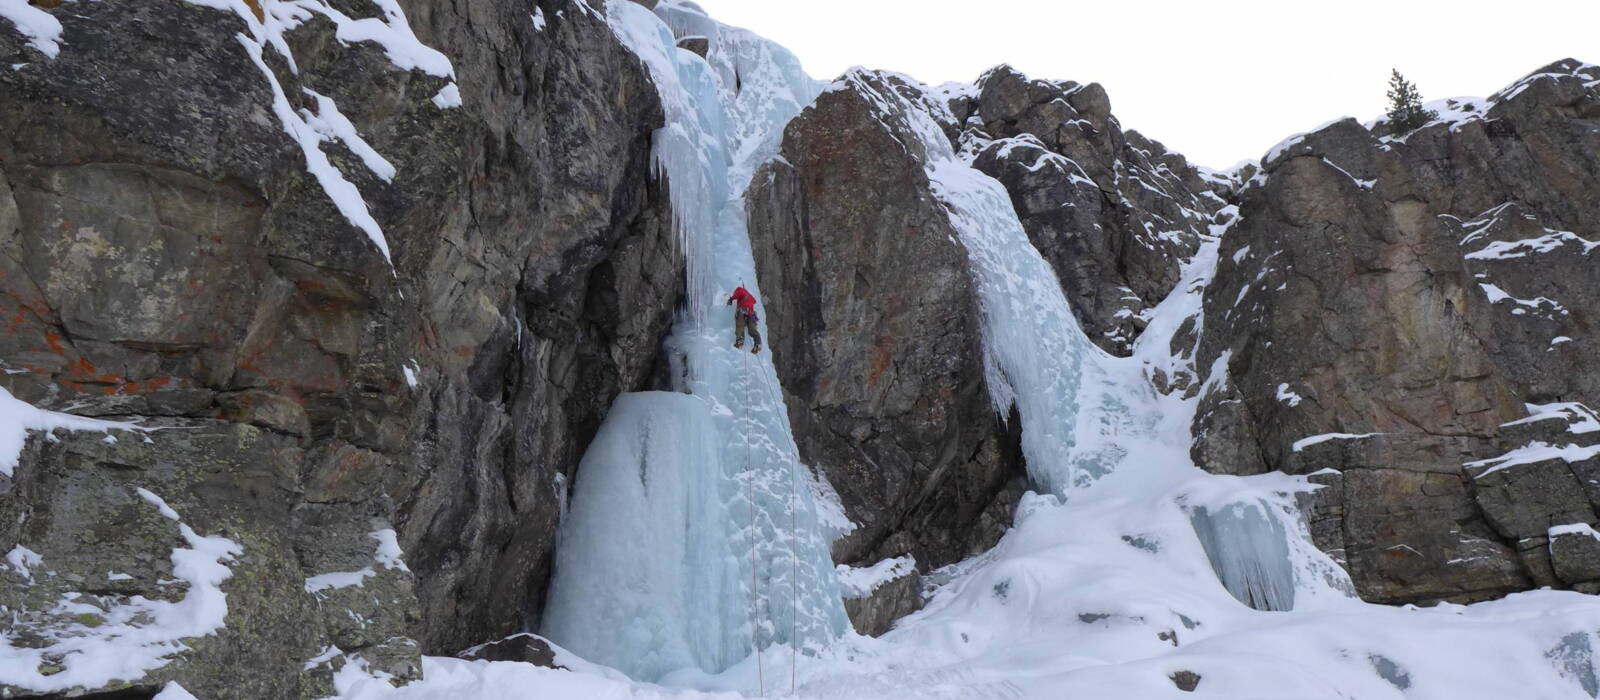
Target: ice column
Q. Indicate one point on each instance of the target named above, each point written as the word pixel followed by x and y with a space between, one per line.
pixel 644 565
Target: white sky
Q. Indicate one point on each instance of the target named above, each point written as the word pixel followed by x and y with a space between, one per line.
pixel 1217 80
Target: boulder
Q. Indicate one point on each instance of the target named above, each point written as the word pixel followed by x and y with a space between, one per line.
pixel 874 613
pixel 1414 537
pixel 1575 552
pixel 523 647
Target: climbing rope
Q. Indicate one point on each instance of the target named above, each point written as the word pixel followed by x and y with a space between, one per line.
pixel 794 536
pixel 794 581
pixel 750 497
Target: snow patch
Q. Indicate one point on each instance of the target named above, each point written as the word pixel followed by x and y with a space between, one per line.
pixel 1551 241
pixel 1532 453
pixel 1550 307
pixel 1285 145
pixel 339 579
pixel 22 561
pixel 173 691
pixel 388 555
pixel 344 194
pixel 392 33
pixel 17 417
pixel 861 582
pixel 1287 396
pixel 330 124
pixel 448 97
pixel 1581 418
pixel 43 30
pixel 1305 442
pixel 1573 529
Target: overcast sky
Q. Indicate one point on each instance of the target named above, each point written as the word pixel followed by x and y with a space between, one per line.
pixel 1220 80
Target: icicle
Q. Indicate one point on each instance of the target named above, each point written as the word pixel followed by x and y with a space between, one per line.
pixel 1249 549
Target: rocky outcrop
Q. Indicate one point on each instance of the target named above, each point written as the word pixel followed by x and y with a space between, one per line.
pixel 165 254
pixel 874 330
pixel 874 612
pixel 1385 307
pixel 1114 213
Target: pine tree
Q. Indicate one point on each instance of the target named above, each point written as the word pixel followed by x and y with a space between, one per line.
pixel 1405 105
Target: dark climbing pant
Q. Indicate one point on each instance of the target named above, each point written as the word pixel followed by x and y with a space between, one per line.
pixel 741 323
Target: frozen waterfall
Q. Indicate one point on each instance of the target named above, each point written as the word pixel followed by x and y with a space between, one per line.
pixel 648 526
pixel 756 567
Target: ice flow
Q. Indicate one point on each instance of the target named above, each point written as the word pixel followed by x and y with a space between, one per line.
pixel 750 567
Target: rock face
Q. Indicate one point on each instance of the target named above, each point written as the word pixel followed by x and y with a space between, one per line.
pixel 874 329
pixel 1114 213
pixel 164 253
pixel 1403 296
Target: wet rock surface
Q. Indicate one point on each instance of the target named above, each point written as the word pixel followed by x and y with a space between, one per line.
pixel 165 255
pixel 1404 296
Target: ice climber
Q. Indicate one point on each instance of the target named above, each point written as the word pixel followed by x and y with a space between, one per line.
pixel 744 317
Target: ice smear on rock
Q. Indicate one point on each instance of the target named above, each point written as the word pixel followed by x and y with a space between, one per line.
pixel 774 583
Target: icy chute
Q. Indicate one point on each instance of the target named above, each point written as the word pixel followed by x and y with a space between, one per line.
pixel 777 580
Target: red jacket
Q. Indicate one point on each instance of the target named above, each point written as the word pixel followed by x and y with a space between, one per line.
pixel 745 299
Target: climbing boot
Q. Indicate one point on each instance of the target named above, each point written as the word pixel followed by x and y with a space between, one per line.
pixel 756 350
pixel 739 343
